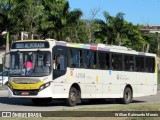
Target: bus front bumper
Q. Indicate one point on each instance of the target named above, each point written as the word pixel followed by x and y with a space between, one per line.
pixel 46 93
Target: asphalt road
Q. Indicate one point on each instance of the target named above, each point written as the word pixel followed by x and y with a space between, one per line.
pixel 14 104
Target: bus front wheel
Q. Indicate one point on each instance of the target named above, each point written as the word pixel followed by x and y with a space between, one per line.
pixel 73 97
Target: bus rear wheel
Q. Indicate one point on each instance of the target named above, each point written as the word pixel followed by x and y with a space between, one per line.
pixel 127 96
pixel 73 97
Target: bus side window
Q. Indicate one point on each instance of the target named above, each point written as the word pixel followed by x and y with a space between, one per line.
pixel 75 59
pixel 150 64
pixel 128 63
pixel 107 62
pixel 89 60
pixel 101 58
pixel 140 63
pixel 116 61
pixel 59 62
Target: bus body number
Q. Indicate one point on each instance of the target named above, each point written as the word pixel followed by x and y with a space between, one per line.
pixel 80 75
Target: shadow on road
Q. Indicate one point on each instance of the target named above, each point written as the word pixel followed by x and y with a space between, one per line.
pixel 28 102
pixel 138 101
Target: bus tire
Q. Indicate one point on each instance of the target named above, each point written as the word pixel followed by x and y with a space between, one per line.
pixel 127 96
pixel 73 97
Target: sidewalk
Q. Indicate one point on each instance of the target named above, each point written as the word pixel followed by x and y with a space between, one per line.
pixel 3 87
pixel 158 87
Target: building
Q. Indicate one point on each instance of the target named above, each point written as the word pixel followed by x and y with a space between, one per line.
pixel 151 29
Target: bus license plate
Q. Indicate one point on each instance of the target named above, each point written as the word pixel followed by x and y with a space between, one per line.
pixel 24 93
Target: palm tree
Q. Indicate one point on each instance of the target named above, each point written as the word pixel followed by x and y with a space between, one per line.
pixel 60 17
pixel 111 28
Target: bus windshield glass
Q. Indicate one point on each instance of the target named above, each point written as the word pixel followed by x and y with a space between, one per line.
pixel 27 63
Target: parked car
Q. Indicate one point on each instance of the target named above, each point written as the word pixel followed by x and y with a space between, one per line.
pixel 4 77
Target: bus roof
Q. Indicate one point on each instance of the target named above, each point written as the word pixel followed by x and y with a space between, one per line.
pixel 103 47
pixel 100 46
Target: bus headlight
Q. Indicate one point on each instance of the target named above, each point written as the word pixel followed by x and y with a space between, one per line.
pixel 44 86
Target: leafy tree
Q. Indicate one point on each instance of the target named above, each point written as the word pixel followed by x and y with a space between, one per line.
pixel 43 18
pixel 117 31
pixel 151 41
pixel 60 17
pixel 30 12
pixel 53 19
pixel 77 32
pixel 112 27
pixel 8 17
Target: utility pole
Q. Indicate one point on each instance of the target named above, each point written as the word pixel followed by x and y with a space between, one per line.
pixel 6 56
pixel 158 44
pixel 7 51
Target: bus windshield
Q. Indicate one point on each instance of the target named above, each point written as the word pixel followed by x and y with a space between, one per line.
pixel 27 63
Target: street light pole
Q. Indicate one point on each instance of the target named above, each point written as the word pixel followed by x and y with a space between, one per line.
pixel 6 56
pixel 158 43
pixel 7 50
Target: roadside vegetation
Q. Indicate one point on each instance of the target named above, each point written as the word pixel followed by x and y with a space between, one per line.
pixel 53 19
pixel 128 108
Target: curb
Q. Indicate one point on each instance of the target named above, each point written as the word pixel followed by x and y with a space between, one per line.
pixel 158 87
pixel 3 87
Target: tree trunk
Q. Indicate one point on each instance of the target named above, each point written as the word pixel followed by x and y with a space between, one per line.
pixel 29 35
pixel 148 46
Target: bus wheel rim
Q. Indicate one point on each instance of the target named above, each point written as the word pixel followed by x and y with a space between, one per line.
pixel 73 96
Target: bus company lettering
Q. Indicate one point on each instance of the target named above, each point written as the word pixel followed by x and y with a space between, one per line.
pixel 122 77
pixel 80 75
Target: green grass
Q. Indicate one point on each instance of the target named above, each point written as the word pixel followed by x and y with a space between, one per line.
pixel 130 107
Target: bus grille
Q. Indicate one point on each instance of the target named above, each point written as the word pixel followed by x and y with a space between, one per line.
pixel 25 92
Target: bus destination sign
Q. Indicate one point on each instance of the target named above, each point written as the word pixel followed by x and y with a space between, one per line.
pixel 29 45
